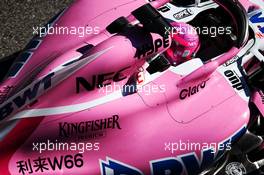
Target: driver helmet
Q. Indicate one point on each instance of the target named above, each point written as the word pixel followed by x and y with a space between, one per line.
pixel 185 43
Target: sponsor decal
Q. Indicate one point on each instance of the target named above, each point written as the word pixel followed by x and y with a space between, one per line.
pixel 229 62
pixel 183 164
pixel 27 95
pixel 48 164
pixel 185 93
pixel 235 168
pixel 100 80
pixel 164 9
pixel 183 14
pixel 258 19
pixel 88 129
pixel 140 76
pixel 234 80
pixel 152 48
pixel 115 167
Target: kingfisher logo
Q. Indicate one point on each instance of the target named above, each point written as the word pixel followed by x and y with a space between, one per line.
pixel 67 130
pixel 258 19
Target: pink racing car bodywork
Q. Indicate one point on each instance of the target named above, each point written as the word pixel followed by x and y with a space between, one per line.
pixel 56 94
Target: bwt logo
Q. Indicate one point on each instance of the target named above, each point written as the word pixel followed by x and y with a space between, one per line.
pixel 26 96
pixel 189 163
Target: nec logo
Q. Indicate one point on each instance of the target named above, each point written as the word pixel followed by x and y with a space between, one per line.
pixel 257 19
pixel 100 80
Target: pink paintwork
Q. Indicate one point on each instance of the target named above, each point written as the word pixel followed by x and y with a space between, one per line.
pixel 148 121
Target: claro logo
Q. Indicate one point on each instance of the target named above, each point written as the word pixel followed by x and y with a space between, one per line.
pixel 100 80
pixel 185 93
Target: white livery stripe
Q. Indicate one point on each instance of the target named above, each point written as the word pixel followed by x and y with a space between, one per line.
pixel 66 109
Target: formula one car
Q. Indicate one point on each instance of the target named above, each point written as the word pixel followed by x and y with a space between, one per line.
pixel 141 93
